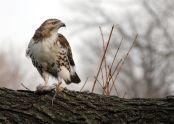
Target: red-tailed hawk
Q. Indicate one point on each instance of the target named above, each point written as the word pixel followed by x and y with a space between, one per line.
pixel 51 54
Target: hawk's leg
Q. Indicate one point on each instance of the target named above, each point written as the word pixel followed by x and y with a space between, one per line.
pixel 46 78
pixel 59 88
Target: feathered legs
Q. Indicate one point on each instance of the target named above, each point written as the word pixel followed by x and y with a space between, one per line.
pixel 58 85
pixel 45 88
pixel 45 77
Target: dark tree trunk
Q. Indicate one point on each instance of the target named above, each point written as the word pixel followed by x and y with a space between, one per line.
pixel 26 107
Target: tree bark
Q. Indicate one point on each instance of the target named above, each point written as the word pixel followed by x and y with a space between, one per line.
pixel 27 107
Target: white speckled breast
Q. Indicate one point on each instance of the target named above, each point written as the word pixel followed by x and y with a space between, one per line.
pixel 46 50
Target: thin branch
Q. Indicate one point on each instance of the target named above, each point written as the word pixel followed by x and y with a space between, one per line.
pixel 116 53
pixel 110 75
pixel 132 45
pixel 124 95
pixel 102 76
pixel 105 63
pixel 84 84
pixel 101 86
pixel 113 80
pixel 124 61
pixel 102 58
pixel 25 87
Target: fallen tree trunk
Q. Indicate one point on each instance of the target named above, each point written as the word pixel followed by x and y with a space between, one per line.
pixel 26 107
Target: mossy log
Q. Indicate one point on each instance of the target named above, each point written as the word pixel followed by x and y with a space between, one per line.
pixel 27 107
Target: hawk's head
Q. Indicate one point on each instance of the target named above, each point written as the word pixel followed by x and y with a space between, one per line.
pixel 48 27
pixel 52 25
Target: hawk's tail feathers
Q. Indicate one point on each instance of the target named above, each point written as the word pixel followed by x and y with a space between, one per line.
pixel 75 78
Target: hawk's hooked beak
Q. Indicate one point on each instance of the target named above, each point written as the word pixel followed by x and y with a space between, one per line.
pixel 63 25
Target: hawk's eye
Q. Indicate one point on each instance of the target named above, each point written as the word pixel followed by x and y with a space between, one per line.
pixel 54 23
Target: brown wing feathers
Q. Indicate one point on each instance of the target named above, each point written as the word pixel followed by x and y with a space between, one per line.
pixel 74 77
pixel 65 44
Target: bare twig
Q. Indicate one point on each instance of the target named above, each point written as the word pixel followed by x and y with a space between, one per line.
pixel 124 61
pixel 116 90
pixel 113 80
pixel 132 45
pixel 102 86
pixel 105 63
pixel 119 69
pixel 108 68
pixel 25 87
pixel 102 76
pixel 102 59
pixel 84 84
pixel 116 53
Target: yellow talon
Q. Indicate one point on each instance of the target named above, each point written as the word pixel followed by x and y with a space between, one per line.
pixel 59 88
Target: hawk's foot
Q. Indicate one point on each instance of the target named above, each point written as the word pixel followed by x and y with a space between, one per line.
pixel 59 87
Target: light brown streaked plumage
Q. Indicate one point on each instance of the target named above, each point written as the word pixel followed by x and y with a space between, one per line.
pixel 51 54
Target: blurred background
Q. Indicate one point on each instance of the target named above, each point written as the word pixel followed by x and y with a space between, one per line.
pixel 149 69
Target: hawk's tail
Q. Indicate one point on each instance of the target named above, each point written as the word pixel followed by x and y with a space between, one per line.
pixel 75 78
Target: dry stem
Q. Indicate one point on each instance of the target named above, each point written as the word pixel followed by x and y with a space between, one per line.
pixel 102 59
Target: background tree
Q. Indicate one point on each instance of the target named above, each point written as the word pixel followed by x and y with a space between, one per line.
pixel 14 72
pixel 149 69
